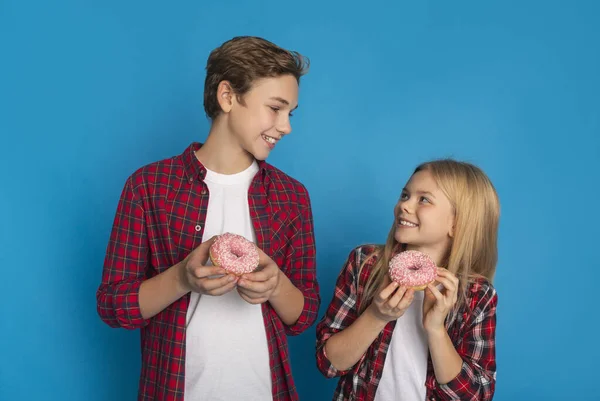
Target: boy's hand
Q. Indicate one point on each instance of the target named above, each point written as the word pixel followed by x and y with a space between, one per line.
pixel 260 285
pixel 196 276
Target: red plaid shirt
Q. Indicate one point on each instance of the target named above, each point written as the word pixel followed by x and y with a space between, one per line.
pixel 159 221
pixel 473 335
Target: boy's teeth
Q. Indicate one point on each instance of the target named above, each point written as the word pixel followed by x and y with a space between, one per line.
pixel 268 139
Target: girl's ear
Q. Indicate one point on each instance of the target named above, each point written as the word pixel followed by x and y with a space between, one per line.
pixel 452 226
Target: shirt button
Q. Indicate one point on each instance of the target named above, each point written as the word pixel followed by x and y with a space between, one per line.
pixel 203 192
pixel 198 227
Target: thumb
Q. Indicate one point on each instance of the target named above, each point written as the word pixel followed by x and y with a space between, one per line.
pixel 263 258
pixel 202 251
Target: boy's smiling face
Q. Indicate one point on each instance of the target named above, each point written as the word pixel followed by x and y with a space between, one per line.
pixel 259 119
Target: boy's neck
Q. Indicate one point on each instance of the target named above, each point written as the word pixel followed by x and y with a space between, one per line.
pixel 222 153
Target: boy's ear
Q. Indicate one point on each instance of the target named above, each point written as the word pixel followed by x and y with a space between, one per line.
pixel 225 96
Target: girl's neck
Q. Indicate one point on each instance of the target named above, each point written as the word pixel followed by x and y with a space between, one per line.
pixel 438 255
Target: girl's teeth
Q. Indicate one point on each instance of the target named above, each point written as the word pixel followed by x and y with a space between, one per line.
pixel 268 139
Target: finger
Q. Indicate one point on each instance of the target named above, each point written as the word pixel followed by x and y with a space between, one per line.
pixel 407 299
pixel 446 273
pixel 447 283
pixel 256 286
pixel 210 284
pixel 387 291
pixel 263 258
pixel 262 275
pixel 202 251
pixel 206 271
pixel 250 294
pixel 451 276
pixel 222 290
pixel 436 293
pixel 396 298
pixel 251 300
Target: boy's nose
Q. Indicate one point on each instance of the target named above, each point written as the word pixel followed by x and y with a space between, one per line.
pixel 284 127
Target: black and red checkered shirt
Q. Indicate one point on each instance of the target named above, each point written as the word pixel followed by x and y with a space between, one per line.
pixel 159 221
pixel 473 335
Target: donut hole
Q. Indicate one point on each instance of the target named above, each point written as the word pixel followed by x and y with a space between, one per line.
pixel 414 268
pixel 236 251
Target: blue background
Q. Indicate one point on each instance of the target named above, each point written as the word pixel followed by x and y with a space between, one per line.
pixel 90 91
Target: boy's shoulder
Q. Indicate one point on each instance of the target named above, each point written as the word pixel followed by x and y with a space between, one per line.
pixel 147 180
pixel 160 169
pixel 285 187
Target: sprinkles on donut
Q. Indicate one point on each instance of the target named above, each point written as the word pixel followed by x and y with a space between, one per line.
pixel 234 253
pixel 412 269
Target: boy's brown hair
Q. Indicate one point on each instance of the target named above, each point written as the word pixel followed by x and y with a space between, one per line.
pixel 244 59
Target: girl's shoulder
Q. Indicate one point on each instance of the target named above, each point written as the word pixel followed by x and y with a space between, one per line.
pixel 481 293
pixel 366 254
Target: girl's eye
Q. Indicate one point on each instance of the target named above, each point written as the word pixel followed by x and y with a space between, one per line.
pixel 424 199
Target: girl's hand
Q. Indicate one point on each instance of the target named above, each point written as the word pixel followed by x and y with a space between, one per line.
pixel 391 302
pixel 437 304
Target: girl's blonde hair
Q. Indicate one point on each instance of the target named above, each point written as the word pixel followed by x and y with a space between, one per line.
pixel 473 252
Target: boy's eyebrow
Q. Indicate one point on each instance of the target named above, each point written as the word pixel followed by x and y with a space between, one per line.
pixel 283 101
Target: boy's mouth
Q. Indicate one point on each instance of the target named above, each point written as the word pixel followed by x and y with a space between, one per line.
pixel 269 139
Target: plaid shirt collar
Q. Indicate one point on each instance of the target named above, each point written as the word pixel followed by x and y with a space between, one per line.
pixel 194 169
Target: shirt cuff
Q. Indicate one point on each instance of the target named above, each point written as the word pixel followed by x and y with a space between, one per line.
pixel 127 300
pixel 463 387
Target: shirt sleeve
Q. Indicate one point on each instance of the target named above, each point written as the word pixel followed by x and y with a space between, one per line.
pixel 124 265
pixel 477 378
pixel 303 270
pixel 341 313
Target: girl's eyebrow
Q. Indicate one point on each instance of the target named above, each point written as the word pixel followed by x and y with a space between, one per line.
pixel 420 192
pixel 426 193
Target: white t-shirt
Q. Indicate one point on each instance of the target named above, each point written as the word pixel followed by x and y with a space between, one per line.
pixel 405 367
pixel 227 355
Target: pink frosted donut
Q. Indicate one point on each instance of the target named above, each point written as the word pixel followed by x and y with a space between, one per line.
pixel 412 269
pixel 234 253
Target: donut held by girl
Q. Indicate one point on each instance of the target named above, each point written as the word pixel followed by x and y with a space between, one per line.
pixel 412 269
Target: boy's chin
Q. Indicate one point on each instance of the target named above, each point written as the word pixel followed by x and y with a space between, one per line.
pixel 260 155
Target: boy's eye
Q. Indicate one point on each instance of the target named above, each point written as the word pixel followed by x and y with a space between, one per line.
pixel 404 196
pixel 274 108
